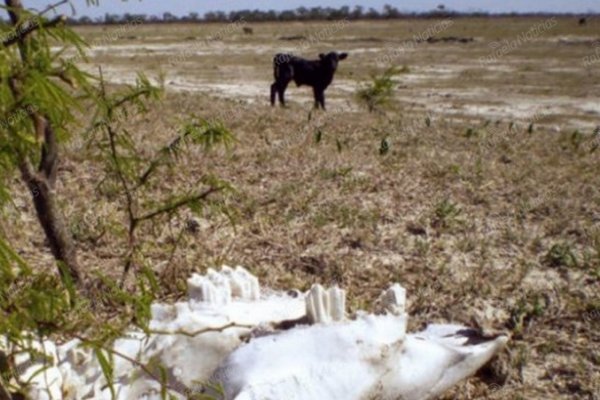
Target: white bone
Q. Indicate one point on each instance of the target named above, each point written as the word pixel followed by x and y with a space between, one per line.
pixel 371 356
pixel 393 300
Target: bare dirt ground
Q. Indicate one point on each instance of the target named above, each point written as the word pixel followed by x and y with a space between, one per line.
pixel 486 206
pixel 507 72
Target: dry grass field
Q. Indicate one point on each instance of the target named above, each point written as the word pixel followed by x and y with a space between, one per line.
pixel 477 187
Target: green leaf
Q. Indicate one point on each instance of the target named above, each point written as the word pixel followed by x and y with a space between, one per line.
pixel 9 260
pixel 67 280
pixel 318 136
pixel 107 369
pixel 384 147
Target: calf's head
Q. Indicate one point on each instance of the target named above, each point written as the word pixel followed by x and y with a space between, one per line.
pixel 331 60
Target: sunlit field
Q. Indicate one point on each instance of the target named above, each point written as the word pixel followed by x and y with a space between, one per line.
pixel 477 186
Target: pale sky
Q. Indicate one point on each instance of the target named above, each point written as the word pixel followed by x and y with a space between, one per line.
pixel 184 7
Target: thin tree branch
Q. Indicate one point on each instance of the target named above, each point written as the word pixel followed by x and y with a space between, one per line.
pixel 115 156
pixel 174 206
pixel 132 220
pixel 4 394
pixel 159 159
pixel 18 35
pixel 129 98
pixel 175 143
pixel 130 203
pixel 143 366
pixel 62 75
pixel 52 7
pixel 174 250
pixel 133 361
pixel 199 331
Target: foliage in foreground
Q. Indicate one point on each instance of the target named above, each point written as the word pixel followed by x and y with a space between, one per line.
pixel 42 95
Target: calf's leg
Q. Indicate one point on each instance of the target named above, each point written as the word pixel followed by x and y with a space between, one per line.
pixel 273 93
pixel 282 86
pixel 319 97
pixel 278 90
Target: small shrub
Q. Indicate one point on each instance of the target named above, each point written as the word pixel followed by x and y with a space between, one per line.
pixel 577 139
pixel 318 136
pixel 445 213
pixel 561 255
pixel 384 147
pixel 379 91
pixel 528 308
pixel 471 133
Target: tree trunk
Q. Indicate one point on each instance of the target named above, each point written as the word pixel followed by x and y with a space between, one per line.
pixel 52 221
pixel 41 182
pixel 4 395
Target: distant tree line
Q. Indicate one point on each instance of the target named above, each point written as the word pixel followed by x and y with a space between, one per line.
pixel 299 14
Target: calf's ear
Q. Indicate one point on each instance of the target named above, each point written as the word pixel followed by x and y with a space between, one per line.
pixel 343 56
pixel 321 56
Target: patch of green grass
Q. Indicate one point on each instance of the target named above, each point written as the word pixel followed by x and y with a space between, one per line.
pixel 335 173
pixel 577 138
pixel 384 147
pixel 527 308
pixel 422 246
pixel 467 244
pixel 471 133
pixel 561 255
pixel 344 216
pixel 354 184
pixel 445 214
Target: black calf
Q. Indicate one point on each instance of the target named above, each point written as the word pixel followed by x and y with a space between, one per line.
pixel 315 73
